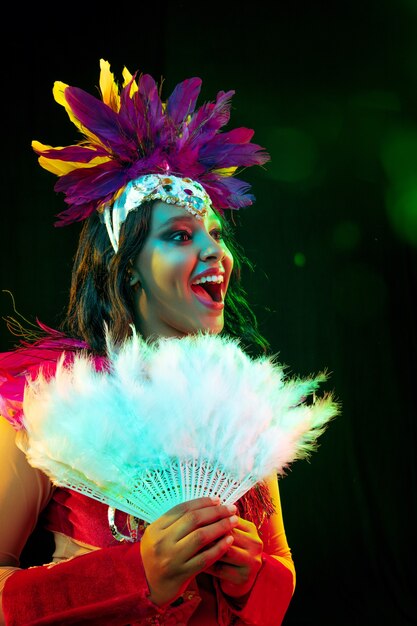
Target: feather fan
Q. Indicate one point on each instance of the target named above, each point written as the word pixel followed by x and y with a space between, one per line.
pixel 170 421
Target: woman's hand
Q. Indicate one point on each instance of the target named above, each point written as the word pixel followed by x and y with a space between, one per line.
pixel 183 542
pixel 238 568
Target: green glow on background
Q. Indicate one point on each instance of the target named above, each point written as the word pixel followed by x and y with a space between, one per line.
pixel 294 155
pixel 402 211
pixel 376 100
pixel 346 235
pixel 299 259
pixel 411 5
pixel 398 156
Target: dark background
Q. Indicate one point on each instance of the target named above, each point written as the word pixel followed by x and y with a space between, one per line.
pixel 332 94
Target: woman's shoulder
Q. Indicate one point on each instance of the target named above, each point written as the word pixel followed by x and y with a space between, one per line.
pixel 29 359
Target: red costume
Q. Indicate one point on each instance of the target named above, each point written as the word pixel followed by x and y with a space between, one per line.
pixel 86 585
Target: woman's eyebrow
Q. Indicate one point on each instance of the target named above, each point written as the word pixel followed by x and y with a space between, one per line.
pixel 178 218
pixel 188 219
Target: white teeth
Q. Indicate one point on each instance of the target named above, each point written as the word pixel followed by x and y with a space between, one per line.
pixel 209 279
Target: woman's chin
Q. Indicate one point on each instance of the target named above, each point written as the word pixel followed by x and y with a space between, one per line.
pixel 212 325
pixel 181 325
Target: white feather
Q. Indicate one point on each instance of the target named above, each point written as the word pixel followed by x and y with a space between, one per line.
pixel 170 421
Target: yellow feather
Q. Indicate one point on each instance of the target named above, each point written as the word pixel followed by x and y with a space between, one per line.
pixel 127 77
pixel 226 171
pixel 62 167
pixel 59 95
pixel 59 168
pixel 40 147
pixel 58 91
pixel 108 87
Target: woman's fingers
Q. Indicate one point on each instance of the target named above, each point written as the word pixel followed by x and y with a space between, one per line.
pixel 183 542
pixel 188 508
pixel 190 516
pixel 206 532
pixel 238 567
pixel 245 542
pixel 207 557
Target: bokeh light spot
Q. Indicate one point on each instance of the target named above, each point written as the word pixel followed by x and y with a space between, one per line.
pixel 299 259
pixel 401 203
pixel 399 157
pixel 399 153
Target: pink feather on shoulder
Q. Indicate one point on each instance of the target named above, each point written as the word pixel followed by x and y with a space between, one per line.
pixel 25 363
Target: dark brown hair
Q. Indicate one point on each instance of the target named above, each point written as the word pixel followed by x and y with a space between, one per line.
pixel 101 296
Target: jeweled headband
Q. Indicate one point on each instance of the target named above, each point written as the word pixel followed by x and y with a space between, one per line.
pixel 134 148
pixel 183 192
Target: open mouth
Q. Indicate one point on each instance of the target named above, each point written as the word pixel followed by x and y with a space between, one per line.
pixel 210 290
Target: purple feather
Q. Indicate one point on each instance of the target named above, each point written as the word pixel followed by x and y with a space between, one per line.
pixel 102 121
pixel 132 114
pixel 220 152
pixel 75 213
pixel 144 138
pixel 148 92
pixel 228 192
pixel 91 184
pixel 182 101
pixel 74 153
pixel 210 118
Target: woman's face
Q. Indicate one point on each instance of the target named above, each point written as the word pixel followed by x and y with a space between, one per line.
pixel 181 274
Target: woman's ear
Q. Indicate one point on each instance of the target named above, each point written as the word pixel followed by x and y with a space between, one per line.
pixel 132 275
pixel 134 278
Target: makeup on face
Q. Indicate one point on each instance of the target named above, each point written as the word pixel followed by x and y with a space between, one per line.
pixel 184 270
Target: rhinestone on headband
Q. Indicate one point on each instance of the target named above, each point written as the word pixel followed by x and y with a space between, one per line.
pixel 184 192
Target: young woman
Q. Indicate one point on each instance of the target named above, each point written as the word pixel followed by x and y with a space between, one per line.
pixel 152 182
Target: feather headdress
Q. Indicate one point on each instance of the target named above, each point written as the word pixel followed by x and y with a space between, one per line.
pixel 130 132
pixel 170 421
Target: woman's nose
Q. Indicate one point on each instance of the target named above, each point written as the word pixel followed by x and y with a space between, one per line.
pixel 212 250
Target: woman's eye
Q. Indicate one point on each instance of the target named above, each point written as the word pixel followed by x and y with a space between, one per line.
pixel 181 235
pixel 217 234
